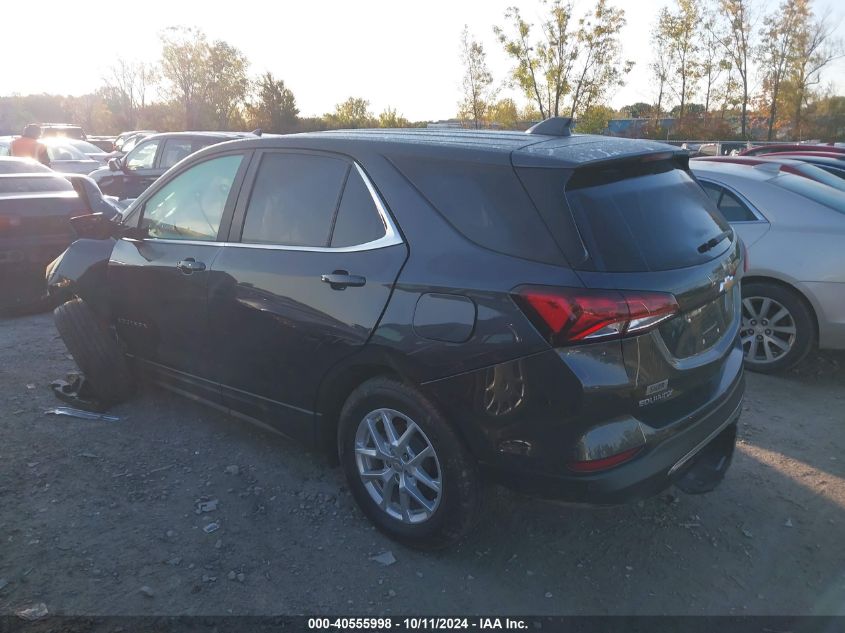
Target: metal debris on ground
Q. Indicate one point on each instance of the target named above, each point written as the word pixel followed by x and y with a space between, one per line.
pixel 82 415
pixel 385 558
pixel 232 470
pixel 206 506
pixel 35 612
pixel 211 527
pixel 788 523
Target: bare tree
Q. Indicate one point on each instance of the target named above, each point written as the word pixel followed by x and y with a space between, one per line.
pixel 477 81
pixel 127 84
pixel 738 45
pixel 815 48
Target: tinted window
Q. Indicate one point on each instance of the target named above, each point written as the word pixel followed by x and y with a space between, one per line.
pixel 294 199
pixel 63 151
pixel 641 216
pixel 734 209
pixel 17 184
pixel 486 203
pixel 815 191
pixel 143 156
pixel 191 205
pixel 175 149
pixel 358 220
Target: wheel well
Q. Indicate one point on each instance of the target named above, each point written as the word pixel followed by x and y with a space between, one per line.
pixel 790 287
pixel 334 395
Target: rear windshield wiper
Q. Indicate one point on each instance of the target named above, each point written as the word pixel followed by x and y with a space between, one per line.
pixel 713 242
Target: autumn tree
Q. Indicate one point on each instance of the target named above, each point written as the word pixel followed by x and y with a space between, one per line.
pixel 227 84
pixel 273 108
pixel 390 118
pixel 738 44
pixel 184 56
pixel 352 113
pixel 477 81
pixel 594 120
pixel 504 114
pixel 678 31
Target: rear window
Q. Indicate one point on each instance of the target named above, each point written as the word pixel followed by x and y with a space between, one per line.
pixel 815 191
pixel 23 184
pixel 486 203
pixel 642 216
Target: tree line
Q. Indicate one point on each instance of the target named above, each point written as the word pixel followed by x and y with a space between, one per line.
pixel 718 67
pixel 195 84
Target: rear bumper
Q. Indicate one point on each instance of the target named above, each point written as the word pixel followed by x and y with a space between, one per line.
pixel 660 463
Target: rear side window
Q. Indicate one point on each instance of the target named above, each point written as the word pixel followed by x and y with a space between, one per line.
pixel 484 202
pixel 641 216
pixel 734 209
pixel 175 149
pixel 358 220
pixel 294 200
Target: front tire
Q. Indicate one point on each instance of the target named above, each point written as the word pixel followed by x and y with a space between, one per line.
pixel 406 467
pixel 95 350
pixel 777 327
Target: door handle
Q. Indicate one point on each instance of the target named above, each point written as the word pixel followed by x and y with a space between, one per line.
pixel 190 265
pixel 340 279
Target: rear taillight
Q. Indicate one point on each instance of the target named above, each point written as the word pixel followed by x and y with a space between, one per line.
pixel 567 316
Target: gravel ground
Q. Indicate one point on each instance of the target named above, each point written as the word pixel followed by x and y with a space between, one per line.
pixel 101 518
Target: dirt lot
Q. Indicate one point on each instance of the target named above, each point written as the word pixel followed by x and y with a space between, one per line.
pixel 92 512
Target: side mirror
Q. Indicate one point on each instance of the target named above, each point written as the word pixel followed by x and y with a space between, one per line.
pixel 95 226
pixel 114 164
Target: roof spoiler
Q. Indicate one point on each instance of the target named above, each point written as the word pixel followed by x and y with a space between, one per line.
pixel 553 126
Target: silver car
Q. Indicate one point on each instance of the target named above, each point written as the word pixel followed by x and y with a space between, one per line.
pixel 794 230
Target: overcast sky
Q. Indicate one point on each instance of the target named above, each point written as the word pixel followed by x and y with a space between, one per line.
pixel 393 53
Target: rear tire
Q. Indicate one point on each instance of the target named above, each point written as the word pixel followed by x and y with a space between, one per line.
pixel 778 329
pixel 425 461
pixel 95 350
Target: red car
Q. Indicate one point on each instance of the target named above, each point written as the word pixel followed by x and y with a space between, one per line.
pixel 791 147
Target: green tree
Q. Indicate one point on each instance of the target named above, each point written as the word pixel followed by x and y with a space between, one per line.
pixel 542 68
pixel 273 108
pixel 352 113
pixel 639 110
pixel 594 119
pixel 598 67
pixel 477 81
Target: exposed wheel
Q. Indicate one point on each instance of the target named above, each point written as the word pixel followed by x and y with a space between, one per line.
pixel 777 329
pixel 406 467
pixel 95 351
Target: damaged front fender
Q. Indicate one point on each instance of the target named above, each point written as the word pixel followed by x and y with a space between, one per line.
pixel 81 271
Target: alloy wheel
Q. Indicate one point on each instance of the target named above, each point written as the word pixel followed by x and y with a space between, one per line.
pixel 768 330
pixel 398 466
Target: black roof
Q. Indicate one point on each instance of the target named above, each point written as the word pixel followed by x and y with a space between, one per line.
pixel 521 149
pixel 213 135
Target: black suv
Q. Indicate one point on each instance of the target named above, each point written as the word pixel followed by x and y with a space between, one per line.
pixel 128 176
pixel 436 309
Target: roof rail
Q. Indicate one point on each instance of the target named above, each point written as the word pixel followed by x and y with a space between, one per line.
pixel 553 126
